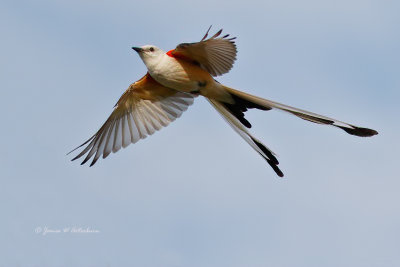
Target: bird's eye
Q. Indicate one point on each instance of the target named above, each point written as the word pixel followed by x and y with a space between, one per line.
pixel 151 49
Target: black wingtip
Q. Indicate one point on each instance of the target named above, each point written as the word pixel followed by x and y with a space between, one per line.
pixel 93 162
pixel 205 35
pixel 75 158
pixel 74 149
pixel 85 160
pixel 217 34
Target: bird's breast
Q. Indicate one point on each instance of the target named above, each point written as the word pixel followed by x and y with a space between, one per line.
pixel 180 74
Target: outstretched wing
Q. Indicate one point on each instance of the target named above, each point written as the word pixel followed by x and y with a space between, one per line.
pixel 216 54
pixel 145 107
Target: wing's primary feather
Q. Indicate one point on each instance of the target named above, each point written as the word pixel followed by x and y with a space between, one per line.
pixel 144 108
pixel 216 54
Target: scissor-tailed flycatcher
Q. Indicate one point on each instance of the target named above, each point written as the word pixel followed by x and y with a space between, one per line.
pixel 168 89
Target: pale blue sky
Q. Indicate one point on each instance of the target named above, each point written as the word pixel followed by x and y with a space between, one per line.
pixel 195 194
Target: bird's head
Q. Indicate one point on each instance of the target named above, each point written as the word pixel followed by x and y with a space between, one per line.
pixel 150 54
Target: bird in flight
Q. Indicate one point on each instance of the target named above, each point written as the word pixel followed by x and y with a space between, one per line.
pixel 172 81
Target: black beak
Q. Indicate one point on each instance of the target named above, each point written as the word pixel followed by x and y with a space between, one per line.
pixel 137 49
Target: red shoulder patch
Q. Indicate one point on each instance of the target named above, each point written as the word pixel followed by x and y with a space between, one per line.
pixel 176 54
pixel 170 53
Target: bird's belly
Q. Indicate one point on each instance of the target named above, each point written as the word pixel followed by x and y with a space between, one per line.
pixel 181 76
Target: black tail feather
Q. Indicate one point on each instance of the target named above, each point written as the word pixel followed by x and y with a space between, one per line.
pixel 240 106
pixel 271 159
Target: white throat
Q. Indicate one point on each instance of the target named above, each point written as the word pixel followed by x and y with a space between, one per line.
pixel 152 62
pixel 152 59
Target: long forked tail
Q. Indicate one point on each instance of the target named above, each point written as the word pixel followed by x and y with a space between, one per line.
pixel 233 114
pixel 251 101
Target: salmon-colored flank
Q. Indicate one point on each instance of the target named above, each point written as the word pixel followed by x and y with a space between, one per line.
pixel 146 88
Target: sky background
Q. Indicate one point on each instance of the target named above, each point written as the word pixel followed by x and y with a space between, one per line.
pixel 195 194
